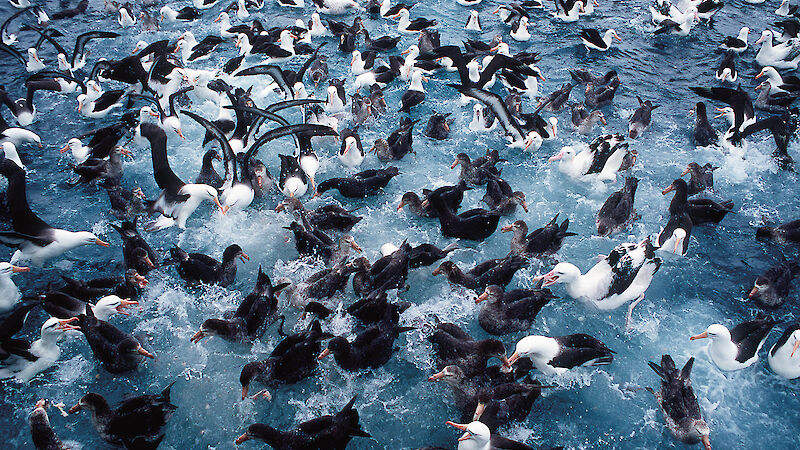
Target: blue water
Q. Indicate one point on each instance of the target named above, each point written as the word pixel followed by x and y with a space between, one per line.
pixel 590 408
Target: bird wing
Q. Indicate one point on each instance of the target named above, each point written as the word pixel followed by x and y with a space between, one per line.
pixel 274 72
pixel 162 172
pixel 227 151
pixel 82 39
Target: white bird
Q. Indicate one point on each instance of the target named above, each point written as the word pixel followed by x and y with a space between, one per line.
pixel 739 347
pixel 776 81
pixel 604 157
pixel 557 355
pixel 20 4
pixel 126 18
pixel 783 10
pixel 34 63
pixel 781 56
pixel 334 103
pixel 473 22
pixel 351 153
pixel 592 40
pixel 736 44
pixel 572 15
pixel 9 292
pixel 241 10
pixel 224 21
pixel 45 350
pixel 519 31
pixel 783 357
pixel 620 277
pixel 336 7
pixel 478 122
pixel 316 28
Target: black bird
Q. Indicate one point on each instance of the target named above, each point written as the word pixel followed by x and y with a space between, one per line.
pixel 704 134
pixel 208 175
pixel 360 185
pixel 200 268
pixel 331 431
pixel 136 417
pixel 292 360
pixel 494 271
pixel 502 199
pixel 507 312
pixel 473 173
pixel 476 224
pixel 772 287
pixel 438 126
pixel 313 242
pixel 371 348
pixel 453 346
pixel 540 243
pixel 705 210
pixel 787 232
pixel 135 250
pixel 42 434
pixel 701 178
pixel 257 311
pixel 679 403
pixel 617 211
pixel 328 217
pixel 116 350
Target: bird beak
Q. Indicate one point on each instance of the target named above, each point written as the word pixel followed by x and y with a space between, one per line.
pixel 221 209
pixel 677 245
pixel 200 335
pixel 405 52
pixel 753 293
pixel 356 247
pixel 615 34
pixel 400 206
pixel 149 263
pixel 460 426
pixel 720 111
pixel 74 409
pixel 64 149
pixel 154 114
pixel 524 205
pixel 145 353
pixel 124 304
pixel 479 411
pixel 324 353
pixel 760 74
pixel 702 335
pixel 465 437
pixel 668 189
pixel 440 375
pixel 244 257
pixel 141 281
pixel 18 269
pixel 481 298
pixel 103 243
pixel 242 438
pixel 453 166
pixel 556 157
pixel 549 278
pixel 706 442
pixel 436 271
pixel 685 171
pixel 180 133
pixel 795 346
pixel 510 361
pixel 64 324
pixel 218 18
pixel 603 120
pixel 507 228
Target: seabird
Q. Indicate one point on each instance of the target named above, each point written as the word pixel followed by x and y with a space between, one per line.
pixel 737 348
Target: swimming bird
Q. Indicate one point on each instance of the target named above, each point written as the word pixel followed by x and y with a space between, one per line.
pixel 701 178
pixel 568 11
pixel 777 82
pixel 28 359
pixel 782 56
pixel 200 268
pixel 704 134
pixel 727 68
pixel 674 237
pixel 772 287
pixel 476 224
pixel 140 416
pixel 781 356
pixel 492 272
pixel 406 25
pixel 361 185
pixel 42 434
pixel 787 232
pixel 454 346
pixel 292 360
pixel 640 120
pixel 336 7
pixel 334 431
pixel 737 348
pixel 509 311
pixel 540 243
pixel 415 93
pixel 679 403
pixel 64 306
pixel 592 39
pixel 582 121
pixel 473 22
pixel 557 355
pixel 371 348
pixel 117 351
pixel 257 311
pixel 736 44
pixel 605 156
pixel 35 240
pixel 617 211
pixel 351 153
pixel 519 30
pixel 620 277
pixel 478 436
pixel 705 210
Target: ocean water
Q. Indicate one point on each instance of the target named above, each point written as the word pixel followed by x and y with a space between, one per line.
pixel 591 408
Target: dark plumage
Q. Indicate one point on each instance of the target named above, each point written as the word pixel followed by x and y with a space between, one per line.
pixel 494 271
pixel 371 348
pixel 116 350
pixel 200 268
pixel 704 210
pixel 142 416
pixel 772 287
pixel 360 185
pixel 704 134
pixel 541 242
pixel 507 312
pixel 453 346
pixel 701 177
pixel 331 431
pixel 617 211
pixel 787 232
pixel 476 224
